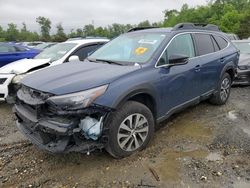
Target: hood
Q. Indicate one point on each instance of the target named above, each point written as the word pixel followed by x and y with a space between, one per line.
pixel 22 66
pixel 75 76
pixel 244 59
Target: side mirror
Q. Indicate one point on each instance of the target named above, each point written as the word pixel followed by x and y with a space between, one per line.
pixel 74 58
pixel 177 59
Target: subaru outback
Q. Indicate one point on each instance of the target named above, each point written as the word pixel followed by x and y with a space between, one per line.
pixel 115 99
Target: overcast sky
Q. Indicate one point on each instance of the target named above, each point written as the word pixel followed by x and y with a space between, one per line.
pixel 77 13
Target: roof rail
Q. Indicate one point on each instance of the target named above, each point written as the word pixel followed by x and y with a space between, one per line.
pixel 140 28
pixel 200 26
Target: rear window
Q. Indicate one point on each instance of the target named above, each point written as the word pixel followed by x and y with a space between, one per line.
pixel 204 44
pixel 221 42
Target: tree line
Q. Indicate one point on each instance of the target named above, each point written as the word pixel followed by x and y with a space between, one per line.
pixel 232 16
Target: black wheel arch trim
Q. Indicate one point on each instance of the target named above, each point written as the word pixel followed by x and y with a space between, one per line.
pixel 147 90
pixel 230 66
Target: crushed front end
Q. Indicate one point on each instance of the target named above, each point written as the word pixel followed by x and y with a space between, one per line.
pixel 59 129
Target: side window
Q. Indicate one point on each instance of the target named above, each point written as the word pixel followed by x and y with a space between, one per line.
pixel 181 45
pixel 204 44
pixel 19 49
pixel 216 47
pixel 6 48
pixel 221 42
pixel 84 52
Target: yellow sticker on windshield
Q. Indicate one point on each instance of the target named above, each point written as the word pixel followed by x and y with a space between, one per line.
pixel 140 50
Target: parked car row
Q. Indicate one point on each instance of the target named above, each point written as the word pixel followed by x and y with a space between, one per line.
pixel 115 98
pixel 243 76
pixel 11 74
pixel 10 52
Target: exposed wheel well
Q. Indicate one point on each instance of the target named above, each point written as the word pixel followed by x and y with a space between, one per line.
pixel 231 73
pixel 147 100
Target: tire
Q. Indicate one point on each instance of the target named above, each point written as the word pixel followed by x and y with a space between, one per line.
pixel 223 91
pixel 123 133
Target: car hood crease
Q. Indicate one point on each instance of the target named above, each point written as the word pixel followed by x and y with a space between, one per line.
pixel 75 77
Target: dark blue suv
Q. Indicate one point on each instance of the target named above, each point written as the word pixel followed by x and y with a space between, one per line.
pixel 116 97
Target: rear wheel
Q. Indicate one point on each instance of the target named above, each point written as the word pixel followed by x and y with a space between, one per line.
pixel 130 129
pixel 223 93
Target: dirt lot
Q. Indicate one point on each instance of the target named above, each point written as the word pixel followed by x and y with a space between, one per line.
pixel 204 146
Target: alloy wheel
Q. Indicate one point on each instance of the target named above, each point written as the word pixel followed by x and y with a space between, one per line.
pixel 225 89
pixel 132 132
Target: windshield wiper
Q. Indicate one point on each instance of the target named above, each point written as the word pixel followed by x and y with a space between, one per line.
pixel 105 61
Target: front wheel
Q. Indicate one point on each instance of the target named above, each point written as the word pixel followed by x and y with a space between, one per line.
pixel 224 89
pixel 131 128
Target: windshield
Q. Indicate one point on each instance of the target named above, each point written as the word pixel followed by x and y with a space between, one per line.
pixel 130 48
pixel 244 47
pixel 41 46
pixel 56 52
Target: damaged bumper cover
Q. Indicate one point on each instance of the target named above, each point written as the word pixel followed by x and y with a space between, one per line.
pixel 243 77
pixel 59 131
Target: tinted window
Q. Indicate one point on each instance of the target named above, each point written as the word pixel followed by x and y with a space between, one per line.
pixel 20 49
pixel 221 42
pixel 84 52
pixel 216 47
pixel 181 45
pixel 204 44
pixel 4 48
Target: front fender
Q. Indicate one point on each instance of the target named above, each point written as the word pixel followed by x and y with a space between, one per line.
pixel 119 91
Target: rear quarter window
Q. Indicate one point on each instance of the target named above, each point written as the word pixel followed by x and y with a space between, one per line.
pixel 204 44
pixel 220 41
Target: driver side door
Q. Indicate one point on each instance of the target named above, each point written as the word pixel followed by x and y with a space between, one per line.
pixel 180 81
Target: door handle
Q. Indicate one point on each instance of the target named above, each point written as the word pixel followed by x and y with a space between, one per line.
pixel 222 60
pixel 197 68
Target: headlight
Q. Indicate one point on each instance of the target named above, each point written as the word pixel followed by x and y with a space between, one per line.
pixel 18 78
pixel 78 100
pixel 244 67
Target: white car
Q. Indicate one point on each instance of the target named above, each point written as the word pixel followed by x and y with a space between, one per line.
pixel 11 74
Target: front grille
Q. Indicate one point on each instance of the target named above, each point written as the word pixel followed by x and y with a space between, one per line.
pixel 1 95
pixel 2 80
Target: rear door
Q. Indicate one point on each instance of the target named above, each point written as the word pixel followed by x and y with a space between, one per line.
pixel 206 48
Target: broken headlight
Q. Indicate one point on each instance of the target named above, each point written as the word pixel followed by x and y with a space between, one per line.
pixel 18 78
pixel 244 67
pixel 78 100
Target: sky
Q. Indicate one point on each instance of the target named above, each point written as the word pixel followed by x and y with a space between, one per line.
pixel 75 14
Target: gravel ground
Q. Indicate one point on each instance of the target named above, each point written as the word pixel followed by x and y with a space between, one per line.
pixel 204 146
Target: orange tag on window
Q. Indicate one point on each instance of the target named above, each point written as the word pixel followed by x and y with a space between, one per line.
pixel 140 50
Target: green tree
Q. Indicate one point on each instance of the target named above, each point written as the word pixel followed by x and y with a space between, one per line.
pixel 145 23
pixel 89 30
pixel 244 28
pixel 12 32
pixel 45 25
pixel 60 36
pixel 2 34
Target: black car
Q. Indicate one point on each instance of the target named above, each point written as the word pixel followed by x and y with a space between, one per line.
pixel 243 76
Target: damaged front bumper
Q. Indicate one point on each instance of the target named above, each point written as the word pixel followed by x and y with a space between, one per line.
pixel 62 131
pixel 243 77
